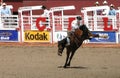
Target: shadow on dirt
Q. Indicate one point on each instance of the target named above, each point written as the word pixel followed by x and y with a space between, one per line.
pixel 74 67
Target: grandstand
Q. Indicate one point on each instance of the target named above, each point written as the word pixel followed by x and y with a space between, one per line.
pixel 54 3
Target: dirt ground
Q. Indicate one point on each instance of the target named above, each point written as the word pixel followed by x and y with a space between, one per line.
pixel 43 62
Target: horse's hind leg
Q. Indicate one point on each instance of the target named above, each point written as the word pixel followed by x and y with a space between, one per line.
pixel 67 58
pixel 72 54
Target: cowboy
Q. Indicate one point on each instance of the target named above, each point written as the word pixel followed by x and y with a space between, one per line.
pixel 75 25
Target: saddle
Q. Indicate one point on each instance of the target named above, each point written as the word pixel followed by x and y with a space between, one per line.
pixel 75 36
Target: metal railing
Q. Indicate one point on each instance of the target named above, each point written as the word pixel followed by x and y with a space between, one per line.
pixel 9 22
pixel 97 23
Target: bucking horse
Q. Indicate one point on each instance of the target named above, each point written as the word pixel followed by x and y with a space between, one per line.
pixel 76 39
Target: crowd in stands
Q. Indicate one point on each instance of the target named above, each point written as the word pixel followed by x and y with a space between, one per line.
pixel 112 10
pixel 6 11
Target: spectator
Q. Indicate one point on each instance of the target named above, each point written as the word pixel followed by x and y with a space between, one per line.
pixel 112 11
pixel 99 12
pixel 105 2
pixel 5 11
pixel 105 12
pixel 46 11
pixel 46 14
pixel 97 3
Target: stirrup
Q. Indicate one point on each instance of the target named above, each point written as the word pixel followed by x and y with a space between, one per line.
pixel 67 44
pixel 68 41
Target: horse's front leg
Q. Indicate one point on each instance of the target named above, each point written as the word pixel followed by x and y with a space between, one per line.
pixel 67 58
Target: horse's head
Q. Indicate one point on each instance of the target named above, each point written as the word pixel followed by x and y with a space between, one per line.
pixel 84 28
pixel 61 46
pixel 86 33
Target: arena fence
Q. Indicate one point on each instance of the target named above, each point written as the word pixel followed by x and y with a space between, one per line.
pixel 27 27
pixel 9 29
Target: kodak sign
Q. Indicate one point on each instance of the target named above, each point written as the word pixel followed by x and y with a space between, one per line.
pixel 36 36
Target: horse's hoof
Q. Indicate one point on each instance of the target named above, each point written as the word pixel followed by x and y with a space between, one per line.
pixel 64 66
pixel 68 64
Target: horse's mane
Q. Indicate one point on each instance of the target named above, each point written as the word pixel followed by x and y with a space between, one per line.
pixel 81 32
pixel 83 28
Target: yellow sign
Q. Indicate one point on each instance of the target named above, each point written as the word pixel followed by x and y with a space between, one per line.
pixel 36 36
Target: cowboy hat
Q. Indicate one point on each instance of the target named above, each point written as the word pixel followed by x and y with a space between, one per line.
pixel 4 4
pixel 96 2
pixel 79 18
pixel 111 5
pixel 105 2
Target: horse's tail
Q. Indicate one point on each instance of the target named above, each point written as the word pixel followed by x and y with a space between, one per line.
pixel 61 46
